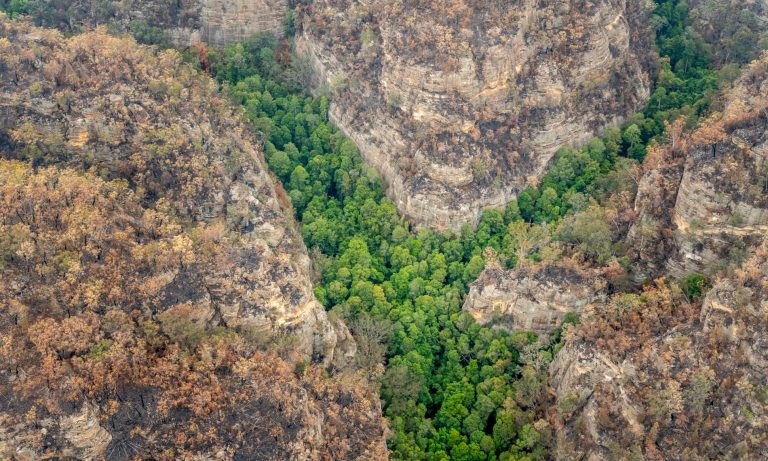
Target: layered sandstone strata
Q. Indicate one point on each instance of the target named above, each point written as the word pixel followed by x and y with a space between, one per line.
pixel 461 105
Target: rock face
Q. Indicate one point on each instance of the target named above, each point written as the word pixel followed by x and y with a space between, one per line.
pixel 532 299
pixel 650 237
pixel 84 433
pixel 656 377
pixel 659 376
pixel 222 22
pixel 112 369
pixel 155 300
pixel 710 188
pixel 462 105
pixel 722 202
pixel 186 22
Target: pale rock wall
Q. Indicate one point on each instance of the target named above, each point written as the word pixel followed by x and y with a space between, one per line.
pixel 83 431
pixel 461 107
pixel 222 22
pixel 573 374
pixel 78 436
pixel 706 203
pixel 723 194
pixel 185 22
pixel 532 299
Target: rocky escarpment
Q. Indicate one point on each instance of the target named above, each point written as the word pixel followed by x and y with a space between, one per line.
pixel 722 202
pixel 185 22
pixel 650 240
pixel 702 202
pixel 103 104
pixel 155 300
pixel 656 377
pixel 532 299
pixel 462 105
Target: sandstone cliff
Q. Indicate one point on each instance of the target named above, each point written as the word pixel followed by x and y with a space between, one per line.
pixel 657 377
pixel 532 299
pixel 185 22
pixel 461 105
pixel 703 201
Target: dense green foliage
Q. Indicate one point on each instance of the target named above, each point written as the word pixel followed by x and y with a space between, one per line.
pixel 453 390
pixel 148 34
pixel 14 8
pixel 686 83
pixel 694 286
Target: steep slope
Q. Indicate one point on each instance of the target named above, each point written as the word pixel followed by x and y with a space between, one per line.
pixel 107 354
pixel 736 31
pixel 103 104
pixel 460 105
pixel 656 377
pixel 702 202
pixel 184 22
pixel 147 257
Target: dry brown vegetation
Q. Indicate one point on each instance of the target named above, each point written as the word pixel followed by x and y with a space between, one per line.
pixel 141 239
pixel 686 378
pixel 669 372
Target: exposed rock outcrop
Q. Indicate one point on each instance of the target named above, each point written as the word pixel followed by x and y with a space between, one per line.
pixel 710 188
pixel 532 299
pixel 722 202
pixel 185 22
pixel 650 240
pixel 660 376
pixel 461 105
pixel 84 433
pixel 227 21
pixel 656 377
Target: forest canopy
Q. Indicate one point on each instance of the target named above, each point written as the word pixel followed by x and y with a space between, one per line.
pixel 451 389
